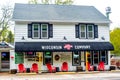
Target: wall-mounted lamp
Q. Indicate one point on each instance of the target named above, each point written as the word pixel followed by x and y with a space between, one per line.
pixel 64 38
pixel 102 38
pixel 23 38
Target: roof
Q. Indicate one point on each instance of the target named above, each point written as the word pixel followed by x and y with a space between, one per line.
pixel 58 13
pixel 5 45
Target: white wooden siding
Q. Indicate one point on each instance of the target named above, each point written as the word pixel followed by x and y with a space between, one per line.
pixel 59 31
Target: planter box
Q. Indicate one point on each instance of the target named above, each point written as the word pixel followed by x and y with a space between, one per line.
pixel 112 68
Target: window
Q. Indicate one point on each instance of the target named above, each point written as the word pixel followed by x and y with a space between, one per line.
pixel 82 56
pixel 83 31
pixel 40 30
pixel 76 58
pixel 47 58
pixel 30 54
pixel 36 30
pixel 44 31
pixel 103 56
pixel 95 57
pixel 90 31
pixel 86 31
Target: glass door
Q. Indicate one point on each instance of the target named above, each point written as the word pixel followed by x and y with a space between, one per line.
pixel 5 60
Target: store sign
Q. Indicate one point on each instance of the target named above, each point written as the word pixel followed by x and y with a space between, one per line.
pixel 50 47
pixel 82 46
pixel 66 46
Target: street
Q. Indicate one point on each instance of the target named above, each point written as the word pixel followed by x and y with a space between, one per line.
pixel 76 76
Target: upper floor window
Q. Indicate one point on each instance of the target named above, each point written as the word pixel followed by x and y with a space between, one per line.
pixel 44 30
pixel 82 31
pixel 35 30
pixel 40 30
pixel 86 31
pixel 90 31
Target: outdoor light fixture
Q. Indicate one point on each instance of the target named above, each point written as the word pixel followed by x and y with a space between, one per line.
pixel 64 38
pixel 23 38
pixel 102 38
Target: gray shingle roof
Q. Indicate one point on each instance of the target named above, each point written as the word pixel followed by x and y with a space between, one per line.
pixel 57 13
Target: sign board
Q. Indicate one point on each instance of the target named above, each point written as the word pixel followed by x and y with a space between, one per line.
pixel 19 57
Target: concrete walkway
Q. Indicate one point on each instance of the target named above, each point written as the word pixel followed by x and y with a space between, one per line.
pixel 59 76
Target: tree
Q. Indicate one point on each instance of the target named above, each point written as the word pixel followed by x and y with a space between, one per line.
pixel 115 40
pixel 33 1
pixel 5 21
pixel 58 2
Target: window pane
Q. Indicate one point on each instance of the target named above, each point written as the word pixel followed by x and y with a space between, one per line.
pixel 35 34
pixel 36 26
pixel 82 31
pixel 82 34
pixel 96 57
pixel 90 31
pixel 44 32
pixel 103 56
pixel 90 28
pixel 90 34
pixel 47 57
pixel 82 56
pixel 76 58
pixel 35 30
pixel 83 28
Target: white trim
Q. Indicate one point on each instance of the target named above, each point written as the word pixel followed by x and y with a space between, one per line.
pixel 69 21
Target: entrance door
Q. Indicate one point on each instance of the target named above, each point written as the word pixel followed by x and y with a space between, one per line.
pixel 5 61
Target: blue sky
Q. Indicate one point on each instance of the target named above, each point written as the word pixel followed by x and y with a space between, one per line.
pixel 99 4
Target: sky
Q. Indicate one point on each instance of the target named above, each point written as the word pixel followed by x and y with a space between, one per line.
pixel 99 4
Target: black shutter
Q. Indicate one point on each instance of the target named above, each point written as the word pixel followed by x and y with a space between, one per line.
pixel 40 31
pixel 29 30
pixel 95 31
pixel 77 31
pixel 50 31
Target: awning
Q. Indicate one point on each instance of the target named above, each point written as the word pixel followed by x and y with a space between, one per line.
pixel 62 46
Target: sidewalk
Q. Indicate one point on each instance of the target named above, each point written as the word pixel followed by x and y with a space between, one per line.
pixel 56 76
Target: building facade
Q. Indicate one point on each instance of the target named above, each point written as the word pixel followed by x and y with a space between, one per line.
pixel 60 33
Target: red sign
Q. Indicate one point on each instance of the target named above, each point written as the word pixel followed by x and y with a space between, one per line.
pixel 68 46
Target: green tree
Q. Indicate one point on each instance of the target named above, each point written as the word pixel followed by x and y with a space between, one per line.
pixel 5 21
pixel 115 40
pixel 33 1
pixel 58 2
pixel 10 37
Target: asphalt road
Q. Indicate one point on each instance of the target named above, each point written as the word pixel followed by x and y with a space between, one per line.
pixel 52 76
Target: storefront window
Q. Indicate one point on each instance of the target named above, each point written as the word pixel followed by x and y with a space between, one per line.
pixel 47 58
pixel 103 56
pixel 95 57
pixel 30 54
pixel 76 58
pixel 82 56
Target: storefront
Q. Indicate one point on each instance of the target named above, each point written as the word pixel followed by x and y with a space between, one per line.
pixel 74 53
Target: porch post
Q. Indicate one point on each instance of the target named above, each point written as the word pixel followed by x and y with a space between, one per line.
pixel 86 61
